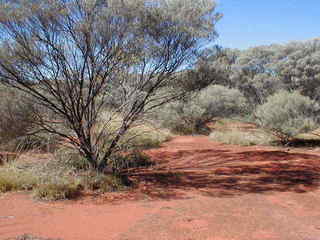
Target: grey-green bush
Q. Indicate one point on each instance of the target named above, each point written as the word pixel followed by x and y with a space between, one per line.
pixel 215 101
pixel 288 114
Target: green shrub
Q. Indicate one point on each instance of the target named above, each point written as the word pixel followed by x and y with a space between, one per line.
pixel 288 114
pixel 183 117
pixel 242 137
pixel 220 101
pixel 192 115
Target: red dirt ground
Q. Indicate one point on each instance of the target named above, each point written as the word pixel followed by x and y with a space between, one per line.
pixel 199 190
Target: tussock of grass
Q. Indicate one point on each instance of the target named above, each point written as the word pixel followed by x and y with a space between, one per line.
pixel 102 183
pixel 186 129
pixel 70 158
pixel 242 137
pixel 146 136
pixel 134 159
pixel 53 180
pixel 56 191
pixel 314 135
pixel 13 180
pixel 142 136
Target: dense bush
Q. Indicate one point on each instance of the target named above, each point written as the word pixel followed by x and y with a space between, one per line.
pixel 288 114
pixel 220 101
pixel 192 115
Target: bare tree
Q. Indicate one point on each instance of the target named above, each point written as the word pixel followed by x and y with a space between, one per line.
pixel 76 57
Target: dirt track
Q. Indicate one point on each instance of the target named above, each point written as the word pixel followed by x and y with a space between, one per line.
pixel 198 190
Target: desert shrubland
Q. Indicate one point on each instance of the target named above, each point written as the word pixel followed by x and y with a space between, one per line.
pixel 97 83
pixel 77 58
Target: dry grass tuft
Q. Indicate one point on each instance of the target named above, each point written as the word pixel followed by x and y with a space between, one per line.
pixel 242 137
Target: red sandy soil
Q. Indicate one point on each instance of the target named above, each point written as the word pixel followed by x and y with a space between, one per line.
pixel 199 190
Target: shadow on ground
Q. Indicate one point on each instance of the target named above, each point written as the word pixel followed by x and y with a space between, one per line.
pixel 221 173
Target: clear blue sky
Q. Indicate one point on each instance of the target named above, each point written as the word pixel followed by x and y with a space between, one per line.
pixel 249 23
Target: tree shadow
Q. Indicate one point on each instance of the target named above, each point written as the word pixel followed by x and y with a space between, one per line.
pixel 301 143
pixel 221 173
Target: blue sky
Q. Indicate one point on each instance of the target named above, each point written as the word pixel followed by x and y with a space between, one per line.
pixel 248 23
